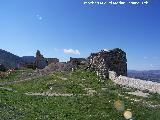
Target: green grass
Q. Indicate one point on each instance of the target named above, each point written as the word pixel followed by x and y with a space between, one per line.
pixel 16 105
pixel 14 75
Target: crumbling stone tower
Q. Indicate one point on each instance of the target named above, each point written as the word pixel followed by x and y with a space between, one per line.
pixel 105 61
pixel 40 61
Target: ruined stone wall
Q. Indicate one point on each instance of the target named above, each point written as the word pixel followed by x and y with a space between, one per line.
pixel 40 61
pixel 139 84
pixel 77 61
pixel 112 60
pixel 52 60
pixel 112 75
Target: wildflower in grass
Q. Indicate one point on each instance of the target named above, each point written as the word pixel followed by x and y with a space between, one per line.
pixel 127 97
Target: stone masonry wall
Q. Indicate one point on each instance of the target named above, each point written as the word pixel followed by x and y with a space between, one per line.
pixel 52 60
pixel 40 61
pixel 77 61
pixel 112 75
pixel 135 83
pixel 112 60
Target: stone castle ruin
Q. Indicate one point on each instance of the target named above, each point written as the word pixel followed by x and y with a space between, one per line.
pixel 101 62
pixel 41 62
pixel 110 64
pixel 77 61
pixel 52 60
pixel 105 61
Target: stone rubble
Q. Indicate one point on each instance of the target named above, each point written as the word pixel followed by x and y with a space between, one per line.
pixel 52 60
pixel 8 89
pixel 77 61
pixel 90 91
pixel 138 93
pixel 62 78
pixel 55 67
pixel 48 94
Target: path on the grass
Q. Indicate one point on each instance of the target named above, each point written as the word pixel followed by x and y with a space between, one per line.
pixel 48 94
pixel 18 81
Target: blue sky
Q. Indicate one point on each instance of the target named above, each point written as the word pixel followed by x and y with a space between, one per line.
pixel 60 27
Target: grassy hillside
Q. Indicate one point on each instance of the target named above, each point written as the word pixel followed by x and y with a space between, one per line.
pixel 78 95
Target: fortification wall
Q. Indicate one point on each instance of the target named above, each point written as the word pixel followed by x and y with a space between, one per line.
pixel 52 60
pixel 112 75
pixel 139 84
pixel 113 60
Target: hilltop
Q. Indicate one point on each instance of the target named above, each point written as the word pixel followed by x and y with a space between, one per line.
pixel 92 88
pixel 77 94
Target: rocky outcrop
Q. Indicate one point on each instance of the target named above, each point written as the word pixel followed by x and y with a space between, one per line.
pixel 112 60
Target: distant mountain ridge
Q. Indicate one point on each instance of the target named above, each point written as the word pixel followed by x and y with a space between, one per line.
pixel 152 75
pixel 10 60
pixel 28 59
